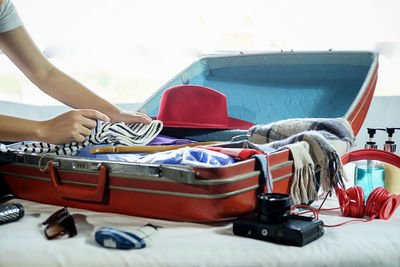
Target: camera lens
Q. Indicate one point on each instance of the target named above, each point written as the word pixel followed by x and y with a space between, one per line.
pixel 274 207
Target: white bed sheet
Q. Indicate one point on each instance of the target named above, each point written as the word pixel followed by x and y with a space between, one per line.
pixel 22 243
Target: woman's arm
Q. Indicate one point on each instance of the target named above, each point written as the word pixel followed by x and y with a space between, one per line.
pixel 20 48
pixel 72 126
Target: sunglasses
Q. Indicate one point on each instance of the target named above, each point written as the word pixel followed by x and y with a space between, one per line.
pixel 59 224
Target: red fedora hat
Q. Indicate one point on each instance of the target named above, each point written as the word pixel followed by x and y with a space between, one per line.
pixel 194 106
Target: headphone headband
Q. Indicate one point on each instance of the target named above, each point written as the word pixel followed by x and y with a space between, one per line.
pixel 380 204
pixel 372 154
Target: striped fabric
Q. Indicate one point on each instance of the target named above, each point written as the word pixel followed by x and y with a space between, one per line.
pixel 118 134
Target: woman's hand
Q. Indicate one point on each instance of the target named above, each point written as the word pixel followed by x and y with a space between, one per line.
pixel 130 117
pixel 72 126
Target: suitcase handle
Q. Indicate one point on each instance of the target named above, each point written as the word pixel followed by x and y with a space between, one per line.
pixel 80 194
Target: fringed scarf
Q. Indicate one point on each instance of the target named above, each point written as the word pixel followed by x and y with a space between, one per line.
pixel 316 146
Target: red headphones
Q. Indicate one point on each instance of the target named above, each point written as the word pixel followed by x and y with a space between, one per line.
pixel 380 204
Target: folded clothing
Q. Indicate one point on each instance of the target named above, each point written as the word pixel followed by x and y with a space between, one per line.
pixel 137 134
pixel 164 140
pixel 159 140
pixel 183 156
pixel 189 156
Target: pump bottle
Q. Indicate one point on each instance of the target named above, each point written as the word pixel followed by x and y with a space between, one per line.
pixel 369 174
pixel 392 173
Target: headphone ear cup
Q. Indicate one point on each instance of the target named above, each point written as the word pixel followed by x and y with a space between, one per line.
pixel 371 208
pixel 344 201
pixel 356 203
pixel 377 202
pixel 389 207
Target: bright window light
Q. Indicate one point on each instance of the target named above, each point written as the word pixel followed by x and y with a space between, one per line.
pixel 124 50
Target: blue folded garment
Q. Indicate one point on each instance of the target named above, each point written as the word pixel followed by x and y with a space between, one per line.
pixel 189 156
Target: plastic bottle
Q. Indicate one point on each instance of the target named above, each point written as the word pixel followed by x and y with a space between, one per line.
pixel 392 173
pixel 369 174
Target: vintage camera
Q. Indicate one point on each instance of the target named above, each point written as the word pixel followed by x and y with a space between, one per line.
pixel 274 223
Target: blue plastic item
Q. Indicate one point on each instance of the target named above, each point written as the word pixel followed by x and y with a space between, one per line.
pixel 110 237
pixel 369 175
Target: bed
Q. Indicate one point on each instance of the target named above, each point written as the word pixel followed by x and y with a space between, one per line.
pixel 22 243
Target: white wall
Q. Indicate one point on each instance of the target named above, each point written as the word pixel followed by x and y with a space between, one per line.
pixel 383 112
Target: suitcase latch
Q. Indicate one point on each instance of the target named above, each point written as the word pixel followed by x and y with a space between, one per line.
pixel 85 166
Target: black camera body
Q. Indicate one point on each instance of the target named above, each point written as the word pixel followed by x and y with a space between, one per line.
pixel 274 223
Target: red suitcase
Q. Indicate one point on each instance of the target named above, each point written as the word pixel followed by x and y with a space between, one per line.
pixel 342 82
pixel 168 192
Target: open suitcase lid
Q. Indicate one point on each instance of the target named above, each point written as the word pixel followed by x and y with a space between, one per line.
pixel 267 87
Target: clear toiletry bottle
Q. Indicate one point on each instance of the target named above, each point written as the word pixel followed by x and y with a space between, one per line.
pixel 392 173
pixel 369 174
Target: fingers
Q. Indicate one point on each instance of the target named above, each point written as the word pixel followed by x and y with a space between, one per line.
pixel 84 131
pixel 94 115
pixel 78 133
pixel 142 118
pixel 132 117
pixel 78 139
pixel 147 117
pixel 87 122
pixel 88 119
